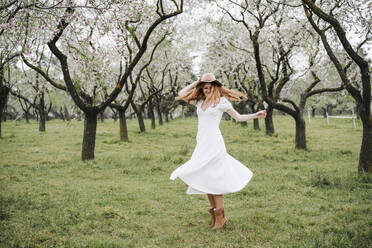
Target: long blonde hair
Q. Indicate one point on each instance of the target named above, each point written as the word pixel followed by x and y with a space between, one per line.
pixel 217 92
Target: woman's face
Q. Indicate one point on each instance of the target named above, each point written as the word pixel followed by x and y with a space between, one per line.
pixel 207 89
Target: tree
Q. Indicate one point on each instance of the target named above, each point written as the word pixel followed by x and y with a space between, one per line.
pixel 266 14
pixel 84 80
pixel 361 95
pixel 11 37
pixel 258 18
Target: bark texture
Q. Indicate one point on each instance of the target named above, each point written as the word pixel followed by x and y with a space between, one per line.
pixel 4 93
pixel 89 136
pixel 123 126
pixel 42 113
pixel 269 124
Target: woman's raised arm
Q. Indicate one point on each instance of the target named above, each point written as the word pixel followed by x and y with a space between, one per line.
pixel 238 117
pixel 188 88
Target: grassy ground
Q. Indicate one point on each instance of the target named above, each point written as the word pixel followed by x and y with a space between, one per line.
pixel 49 198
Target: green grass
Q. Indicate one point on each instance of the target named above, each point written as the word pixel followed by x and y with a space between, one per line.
pixel 49 198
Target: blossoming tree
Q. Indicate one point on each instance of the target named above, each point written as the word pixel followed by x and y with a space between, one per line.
pixel 90 42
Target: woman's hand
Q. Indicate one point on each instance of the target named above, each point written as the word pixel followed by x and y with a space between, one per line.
pixel 197 82
pixel 261 114
pixel 189 87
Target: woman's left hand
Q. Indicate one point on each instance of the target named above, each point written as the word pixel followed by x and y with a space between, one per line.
pixel 261 114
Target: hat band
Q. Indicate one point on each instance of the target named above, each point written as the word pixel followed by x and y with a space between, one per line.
pixel 212 82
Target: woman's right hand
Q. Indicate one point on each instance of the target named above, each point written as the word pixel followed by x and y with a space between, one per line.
pixel 197 82
pixel 261 114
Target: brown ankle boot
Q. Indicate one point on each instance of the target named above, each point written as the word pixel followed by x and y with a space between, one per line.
pixel 221 220
pixel 211 211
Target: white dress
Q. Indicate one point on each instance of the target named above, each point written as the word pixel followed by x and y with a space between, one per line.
pixel 211 170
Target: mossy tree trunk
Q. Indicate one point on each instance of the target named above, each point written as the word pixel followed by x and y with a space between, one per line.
pixel 158 111
pixel 4 92
pixel 300 139
pixel 151 114
pixel 365 156
pixel 89 136
pixel 256 124
pixel 102 116
pixel 139 113
pixel 123 125
pixel 42 112
pixel 269 124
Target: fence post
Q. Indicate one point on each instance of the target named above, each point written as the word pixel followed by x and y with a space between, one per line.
pixel 308 114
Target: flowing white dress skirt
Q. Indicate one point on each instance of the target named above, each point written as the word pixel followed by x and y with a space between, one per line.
pixel 211 170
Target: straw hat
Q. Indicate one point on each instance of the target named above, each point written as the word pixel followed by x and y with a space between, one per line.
pixel 209 78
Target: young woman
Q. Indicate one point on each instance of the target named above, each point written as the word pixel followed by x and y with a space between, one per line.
pixel 211 170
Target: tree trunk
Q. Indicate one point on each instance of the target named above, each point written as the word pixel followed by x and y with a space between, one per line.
pixel 4 114
pixel 160 117
pixel 138 110
pixel 67 114
pixel 123 126
pixel 313 112
pixel 101 116
pixel 356 109
pixel 4 93
pixel 151 114
pixel 300 133
pixel 27 117
pixel 1 120
pixel 114 115
pixel 256 124
pixel 42 123
pixel 329 110
pixel 42 113
pixel 89 137
pixel 59 114
pixel 36 115
pixel 166 117
pixel 269 124
pixel 79 115
pixel 48 111
pixel 365 158
pixel 141 122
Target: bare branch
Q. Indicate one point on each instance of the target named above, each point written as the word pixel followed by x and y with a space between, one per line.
pixel 318 91
pixel 294 105
pixel 42 73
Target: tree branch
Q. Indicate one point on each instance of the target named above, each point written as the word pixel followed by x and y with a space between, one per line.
pixel 42 73
pixel 63 61
pixel 318 91
pixel 294 105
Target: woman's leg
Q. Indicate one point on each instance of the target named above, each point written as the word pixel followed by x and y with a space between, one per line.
pixel 211 210
pixel 211 201
pixel 219 213
pixel 218 200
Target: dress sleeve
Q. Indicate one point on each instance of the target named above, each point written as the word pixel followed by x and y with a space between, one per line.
pixel 224 104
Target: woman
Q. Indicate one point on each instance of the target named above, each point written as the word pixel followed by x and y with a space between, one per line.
pixel 211 170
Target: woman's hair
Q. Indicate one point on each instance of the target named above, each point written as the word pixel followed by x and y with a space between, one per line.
pixel 218 91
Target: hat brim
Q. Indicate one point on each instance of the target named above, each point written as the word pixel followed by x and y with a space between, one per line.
pixel 211 82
